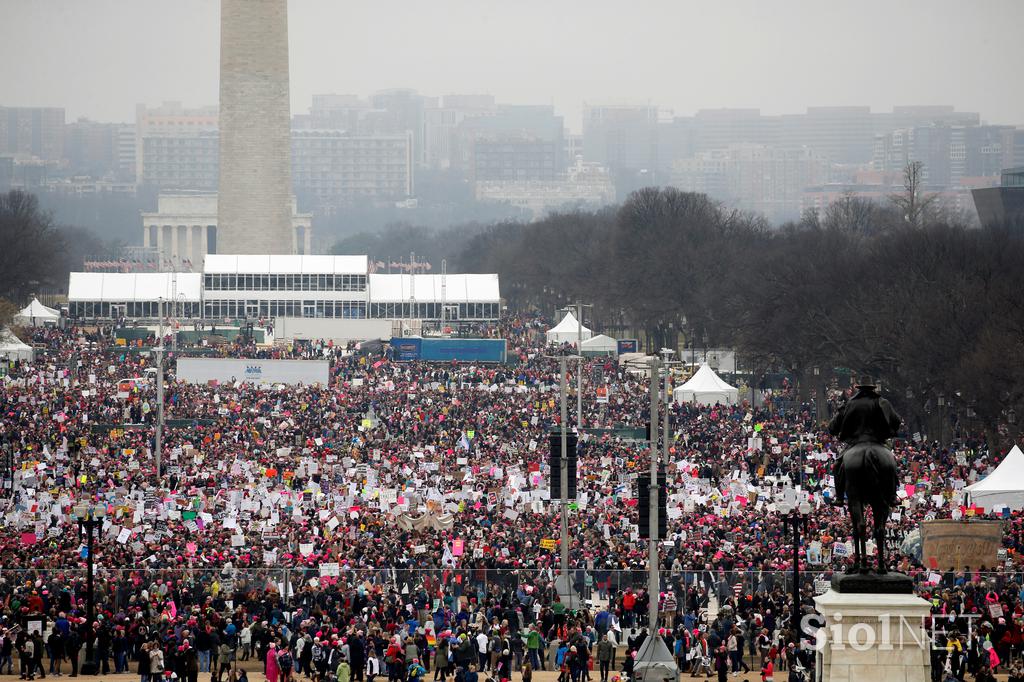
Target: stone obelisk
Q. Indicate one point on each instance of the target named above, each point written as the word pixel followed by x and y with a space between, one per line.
pixel 254 213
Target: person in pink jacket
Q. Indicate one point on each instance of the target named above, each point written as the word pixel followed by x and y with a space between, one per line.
pixel 272 669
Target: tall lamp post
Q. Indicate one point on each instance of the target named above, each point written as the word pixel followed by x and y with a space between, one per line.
pixel 942 418
pixel 795 513
pixel 577 309
pixel 654 661
pixel 8 459
pixel 819 391
pixel 90 518
pixel 667 364
pixel 159 435
pixel 563 583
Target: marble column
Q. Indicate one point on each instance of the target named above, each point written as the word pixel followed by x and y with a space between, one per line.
pixel 190 245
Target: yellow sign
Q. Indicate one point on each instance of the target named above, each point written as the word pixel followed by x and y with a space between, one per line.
pixel 548 543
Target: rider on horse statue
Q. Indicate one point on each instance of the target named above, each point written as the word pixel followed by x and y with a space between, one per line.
pixel 865 419
pixel 866 471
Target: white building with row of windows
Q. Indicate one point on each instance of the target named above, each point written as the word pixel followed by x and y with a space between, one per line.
pixel 267 287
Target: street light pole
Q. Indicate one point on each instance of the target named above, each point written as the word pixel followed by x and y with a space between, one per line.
pixel 654 662
pixel 90 518
pixel 564 471
pixel 819 391
pixel 579 376
pixel 942 418
pixel 666 363
pixel 159 439
pixel 654 572
pixel 8 450
pixel 796 573
pixel 563 584
pixel 579 367
pixel 795 515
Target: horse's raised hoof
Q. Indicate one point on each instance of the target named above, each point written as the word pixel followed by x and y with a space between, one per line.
pixel 853 569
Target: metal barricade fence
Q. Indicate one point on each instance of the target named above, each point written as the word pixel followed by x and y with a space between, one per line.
pixel 119 587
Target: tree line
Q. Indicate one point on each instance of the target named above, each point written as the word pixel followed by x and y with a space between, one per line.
pixel 37 252
pixel 904 293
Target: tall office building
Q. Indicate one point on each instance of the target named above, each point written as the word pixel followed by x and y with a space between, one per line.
pixel 623 138
pixel 175 147
pixel 254 209
pixel 29 133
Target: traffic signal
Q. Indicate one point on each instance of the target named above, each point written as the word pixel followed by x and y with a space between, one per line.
pixel 644 505
pixel 555 441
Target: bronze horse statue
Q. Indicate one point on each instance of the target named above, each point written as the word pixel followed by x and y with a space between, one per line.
pixel 866 471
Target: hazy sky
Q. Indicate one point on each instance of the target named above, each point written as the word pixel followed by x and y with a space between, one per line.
pixel 100 57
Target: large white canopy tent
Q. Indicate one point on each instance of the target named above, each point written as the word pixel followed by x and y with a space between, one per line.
pixel 599 345
pixel 568 331
pixel 12 348
pixel 706 388
pixel 1004 487
pixel 35 314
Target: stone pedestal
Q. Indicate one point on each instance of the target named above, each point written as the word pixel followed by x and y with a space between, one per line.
pixel 873 638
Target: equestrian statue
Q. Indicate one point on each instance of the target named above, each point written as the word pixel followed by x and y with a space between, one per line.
pixel 865 473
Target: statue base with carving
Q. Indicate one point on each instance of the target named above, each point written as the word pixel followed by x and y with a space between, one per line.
pixel 873 636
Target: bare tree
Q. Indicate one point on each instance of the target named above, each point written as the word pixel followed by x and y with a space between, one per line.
pixel 32 246
pixel 853 214
pixel 913 202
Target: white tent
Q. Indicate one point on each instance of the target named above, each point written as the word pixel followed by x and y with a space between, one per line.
pixel 599 345
pixel 567 331
pixel 1004 487
pixel 706 388
pixel 35 314
pixel 12 348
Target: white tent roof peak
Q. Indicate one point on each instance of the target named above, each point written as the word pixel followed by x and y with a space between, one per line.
pixel 705 379
pixel 37 309
pixel 569 330
pixel 706 388
pixel 1009 475
pixel 35 313
pixel 1004 487
pixel 569 323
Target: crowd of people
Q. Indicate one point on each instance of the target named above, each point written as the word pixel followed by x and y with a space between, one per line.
pixel 398 522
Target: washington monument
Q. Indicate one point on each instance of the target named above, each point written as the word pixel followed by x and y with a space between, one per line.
pixel 254 206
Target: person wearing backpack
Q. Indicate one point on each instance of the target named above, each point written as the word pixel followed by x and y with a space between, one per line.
pixel 415 672
pixel 285 663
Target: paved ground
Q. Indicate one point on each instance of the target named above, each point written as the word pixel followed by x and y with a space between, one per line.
pixel 254 674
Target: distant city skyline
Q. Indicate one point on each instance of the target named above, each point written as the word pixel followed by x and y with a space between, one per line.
pixel 98 60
